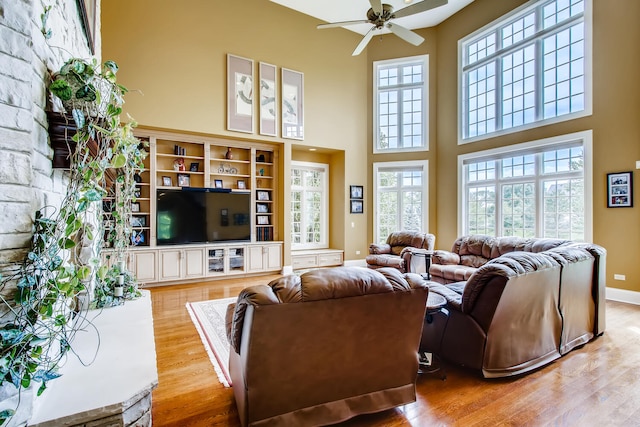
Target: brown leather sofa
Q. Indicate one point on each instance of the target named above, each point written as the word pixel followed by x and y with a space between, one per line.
pixel 399 249
pixel 325 346
pixel 521 310
pixel 473 251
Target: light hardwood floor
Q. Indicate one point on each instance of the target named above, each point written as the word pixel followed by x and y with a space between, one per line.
pixel 596 385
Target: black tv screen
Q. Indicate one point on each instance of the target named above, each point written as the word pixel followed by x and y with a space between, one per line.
pixel 202 216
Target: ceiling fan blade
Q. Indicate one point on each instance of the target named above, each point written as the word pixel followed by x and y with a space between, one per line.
pixel 405 34
pixel 423 6
pixel 364 42
pixel 341 24
pixel 376 5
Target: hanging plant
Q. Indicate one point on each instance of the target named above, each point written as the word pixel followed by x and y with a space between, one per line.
pixel 62 274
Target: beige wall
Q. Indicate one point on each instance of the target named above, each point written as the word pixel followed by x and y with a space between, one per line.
pixel 176 56
pixel 615 123
pixel 175 53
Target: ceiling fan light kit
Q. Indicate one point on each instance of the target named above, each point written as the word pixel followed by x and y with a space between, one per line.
pixel 380 16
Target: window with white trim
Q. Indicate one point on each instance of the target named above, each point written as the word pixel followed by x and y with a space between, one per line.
pixel 309 207
pixel 529 68
pixel 538 189
pixel 400 104
pixel 400 197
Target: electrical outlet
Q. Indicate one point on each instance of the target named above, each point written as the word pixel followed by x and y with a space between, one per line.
pixel 637 164
pixel 353 225
pixel 357 252
pixel 619 277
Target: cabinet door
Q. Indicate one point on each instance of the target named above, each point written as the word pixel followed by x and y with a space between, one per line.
pixel 170 264
pixel 273 257
pixel 256 259
pixel 143 265
pixel 193 262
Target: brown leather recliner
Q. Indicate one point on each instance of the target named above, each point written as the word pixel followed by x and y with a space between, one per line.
pixel 399 249
pixel 326 346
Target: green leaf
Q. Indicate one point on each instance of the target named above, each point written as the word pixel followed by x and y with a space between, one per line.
pixel 84 272
pixel 93 195
pixel 118 161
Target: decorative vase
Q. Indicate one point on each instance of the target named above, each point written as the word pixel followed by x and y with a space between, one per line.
pixel 229 154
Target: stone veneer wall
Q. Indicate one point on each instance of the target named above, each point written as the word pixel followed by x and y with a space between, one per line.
pixel 27 180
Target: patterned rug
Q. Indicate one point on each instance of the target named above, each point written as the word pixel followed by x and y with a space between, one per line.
pixel 209 319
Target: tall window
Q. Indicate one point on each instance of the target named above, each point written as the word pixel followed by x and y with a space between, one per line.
pixel 532 65
pixel 400 198
pixel 309 209
pixel 539 189
pixel 400 106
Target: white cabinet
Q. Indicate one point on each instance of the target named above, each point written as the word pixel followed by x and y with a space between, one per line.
pixel 181 263
pixel 317 258
pixel 143 265
pixel 265 257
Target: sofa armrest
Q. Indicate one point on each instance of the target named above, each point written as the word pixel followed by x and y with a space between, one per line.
pixel 253 295
pixel 377 249
pixel 445 257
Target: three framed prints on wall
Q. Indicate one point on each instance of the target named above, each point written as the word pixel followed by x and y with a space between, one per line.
pixel 277 101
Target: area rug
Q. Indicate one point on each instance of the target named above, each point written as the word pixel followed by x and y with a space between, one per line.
pixel 209 319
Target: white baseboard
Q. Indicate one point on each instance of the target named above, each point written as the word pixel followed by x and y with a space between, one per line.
pixel 355 263
pixel 623 295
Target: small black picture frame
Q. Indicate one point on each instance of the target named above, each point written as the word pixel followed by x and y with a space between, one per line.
pixel 357 207
pixel 356 192
pixel 620 189
pixel 217 183
pixel 193 167
pixel 138 221
pixel 166 181
pixel 184 180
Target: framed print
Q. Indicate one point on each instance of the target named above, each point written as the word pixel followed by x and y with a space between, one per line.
pixel 240 184
pixel 356 191
pixel 239 94
pixel 193 167
pixel 263 220
pixel 620 190
pixel 268 107
pixel 292 104
pixel 166 181
pixel 184 180
pixel 263 195
pixel 88 15
pixel 218 183
pixel 137 238
pixel 135 207
pixel 262 208
pixel 138 221
pixel 357 207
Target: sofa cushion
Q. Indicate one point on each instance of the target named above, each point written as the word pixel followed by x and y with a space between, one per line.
pixel 385 261
pixel 452 273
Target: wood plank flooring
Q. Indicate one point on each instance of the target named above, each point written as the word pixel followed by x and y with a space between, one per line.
pixel 598 384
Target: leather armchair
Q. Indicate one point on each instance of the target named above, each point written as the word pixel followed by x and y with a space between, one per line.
pixel 399 249
pixel 323 347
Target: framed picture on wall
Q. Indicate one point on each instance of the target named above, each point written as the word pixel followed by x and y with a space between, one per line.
pixel 356 192
pixel 357 207
pixel 268 107
pixel 292 104
pixel 620 190
pixel 239 94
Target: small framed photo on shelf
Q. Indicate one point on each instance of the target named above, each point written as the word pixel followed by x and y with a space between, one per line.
pixel 184 180
pixel 135 207
pixel 137 238
pixel 137 192
pixel 241 184
pixel 263 195
pixel 356 192
pixel 194 167
pixel 262 208
pixel 138 221
pixel 166 181
pixel 620 190
pixel 217 183
pixel 357 207
pixel 263 220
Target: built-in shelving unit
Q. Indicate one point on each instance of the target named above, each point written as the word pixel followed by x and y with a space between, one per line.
pixel 182 160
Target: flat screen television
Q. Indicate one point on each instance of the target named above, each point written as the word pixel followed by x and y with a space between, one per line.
pixel 202 216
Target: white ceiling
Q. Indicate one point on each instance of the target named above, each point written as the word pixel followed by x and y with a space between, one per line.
pixel 352 10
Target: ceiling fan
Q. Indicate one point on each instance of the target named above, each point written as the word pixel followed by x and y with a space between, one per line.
pixel 380 16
